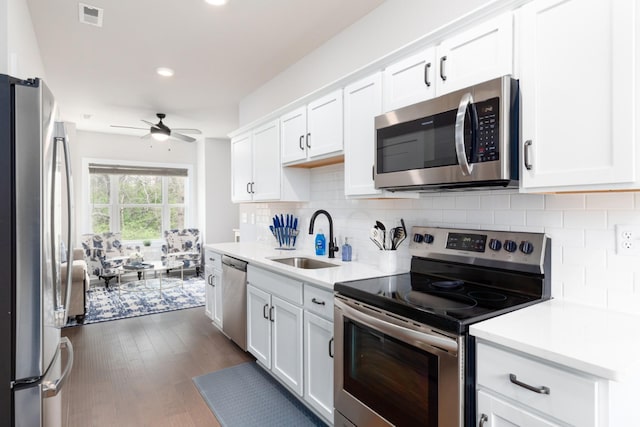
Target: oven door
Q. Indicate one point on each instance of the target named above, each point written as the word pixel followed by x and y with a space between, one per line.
pixel 391 371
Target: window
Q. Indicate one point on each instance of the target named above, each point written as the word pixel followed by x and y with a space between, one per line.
pixel 138 201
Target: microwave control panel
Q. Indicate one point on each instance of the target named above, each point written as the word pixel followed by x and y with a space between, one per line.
pixel 487 146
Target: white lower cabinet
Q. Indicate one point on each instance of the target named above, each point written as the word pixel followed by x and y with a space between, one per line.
pixel 213 288
pixel 274 325
pixel 518 390
pixel 318 351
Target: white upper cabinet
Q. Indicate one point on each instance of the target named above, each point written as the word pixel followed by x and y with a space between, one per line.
pixel 256 172
pixel 410 80
pixel 362 103
pixel 475 55
pixel 313 131
pixel 577 74
pixel 241 168
pixel 481 53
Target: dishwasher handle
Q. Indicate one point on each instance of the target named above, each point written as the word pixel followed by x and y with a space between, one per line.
pixel 235 263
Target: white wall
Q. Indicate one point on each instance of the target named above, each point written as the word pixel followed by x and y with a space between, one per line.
pixel 390 26
pixel 220 215
pixel 21 54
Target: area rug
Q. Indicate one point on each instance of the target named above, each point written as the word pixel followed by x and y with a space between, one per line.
pixel 104 304
pixel 247 396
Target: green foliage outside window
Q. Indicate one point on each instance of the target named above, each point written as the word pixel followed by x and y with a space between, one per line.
pixel 140 202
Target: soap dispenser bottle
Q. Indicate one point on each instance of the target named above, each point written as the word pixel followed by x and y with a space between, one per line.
pixel 321 243
pixel 346 250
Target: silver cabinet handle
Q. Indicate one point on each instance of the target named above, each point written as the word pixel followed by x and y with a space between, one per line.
pixel 52 388
pixel 527 148
pixel 264 311
pixel 300 142
pixel 540 390
pixel 308 138
pixel 331 348
pixel 271 314
pixel 465 102
pixel 209 279
pixel 443 76
pixel 483 419
pixel 427 67
pixel 317 301
pixel 248 184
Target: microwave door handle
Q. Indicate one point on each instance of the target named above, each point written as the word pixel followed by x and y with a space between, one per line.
pixel 465 103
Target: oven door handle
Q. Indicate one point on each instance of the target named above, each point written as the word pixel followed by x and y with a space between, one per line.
pixel 404 334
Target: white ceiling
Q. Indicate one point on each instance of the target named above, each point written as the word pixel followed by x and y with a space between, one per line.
pixel 219 54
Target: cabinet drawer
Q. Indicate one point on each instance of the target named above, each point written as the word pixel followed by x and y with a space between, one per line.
pixel 572 398
pixel 319 301
pixel 213 258
pixel 276 284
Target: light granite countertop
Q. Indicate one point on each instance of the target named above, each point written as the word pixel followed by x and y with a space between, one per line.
pixel 596 341
pixel 261 255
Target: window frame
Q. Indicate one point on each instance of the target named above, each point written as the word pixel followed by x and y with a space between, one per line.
pixel 115 206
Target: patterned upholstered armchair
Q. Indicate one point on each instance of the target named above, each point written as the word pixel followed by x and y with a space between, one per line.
pixel 104 253
pixel 183 245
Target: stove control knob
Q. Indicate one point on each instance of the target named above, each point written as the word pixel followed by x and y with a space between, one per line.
pixel 526 247
pixel 495 244
pixel 510 246
pixel 428 238
pixel 418 238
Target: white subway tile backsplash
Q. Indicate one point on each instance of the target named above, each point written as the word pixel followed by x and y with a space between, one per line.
pixel 610 201
pixel 564 202
pixel 585 219
pixel 585 267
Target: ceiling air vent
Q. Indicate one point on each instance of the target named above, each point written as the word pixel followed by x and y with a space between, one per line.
pixel 90 14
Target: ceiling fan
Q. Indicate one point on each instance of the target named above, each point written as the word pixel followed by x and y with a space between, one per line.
pixel 161 132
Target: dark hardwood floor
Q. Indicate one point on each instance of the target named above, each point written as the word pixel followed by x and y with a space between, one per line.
pixel 138 371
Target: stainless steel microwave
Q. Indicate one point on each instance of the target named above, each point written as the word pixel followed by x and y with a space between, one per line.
pixel 465 139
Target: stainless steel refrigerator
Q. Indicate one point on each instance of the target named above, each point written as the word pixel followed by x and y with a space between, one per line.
pixel 36 218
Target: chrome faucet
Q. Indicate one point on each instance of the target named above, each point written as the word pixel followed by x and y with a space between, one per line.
pixel 333 248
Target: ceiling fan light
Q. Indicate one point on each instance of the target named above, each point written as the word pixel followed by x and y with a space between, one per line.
pixel 160 136
pixel 165 72
pixel 216 2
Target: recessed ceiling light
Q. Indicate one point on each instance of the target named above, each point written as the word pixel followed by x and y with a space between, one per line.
pixel 164 71
pixel 216 2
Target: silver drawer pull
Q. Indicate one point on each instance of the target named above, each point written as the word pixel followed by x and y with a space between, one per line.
pixel 317 301
pixel 541 389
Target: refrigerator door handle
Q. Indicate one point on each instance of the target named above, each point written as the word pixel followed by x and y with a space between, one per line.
pixel 61 307
pixel 52 388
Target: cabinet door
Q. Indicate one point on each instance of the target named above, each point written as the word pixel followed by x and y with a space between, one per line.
pixel 362 103
pixel 293 131
pixel 318 363
pixel 208 294
pixel 481 53
pixel 577 102
pixel 494 412
pixel 266 162
pixel 287 343
pixel 241 168
pixel 258 325
pixel 217 298
pixel 410 80
pixel 324 124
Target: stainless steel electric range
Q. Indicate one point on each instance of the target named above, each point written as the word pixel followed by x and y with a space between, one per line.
pixel 403 354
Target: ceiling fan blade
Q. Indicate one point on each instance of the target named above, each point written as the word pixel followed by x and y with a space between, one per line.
pixel 182 137
pixel 127 127
pixel 153 125
pixel 191 131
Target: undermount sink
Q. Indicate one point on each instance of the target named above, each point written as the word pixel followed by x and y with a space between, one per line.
pixel 305 263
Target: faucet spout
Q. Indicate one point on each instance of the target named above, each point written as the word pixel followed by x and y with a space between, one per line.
pixel 333 247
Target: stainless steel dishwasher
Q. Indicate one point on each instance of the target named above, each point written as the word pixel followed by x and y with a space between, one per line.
pixel 234 300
